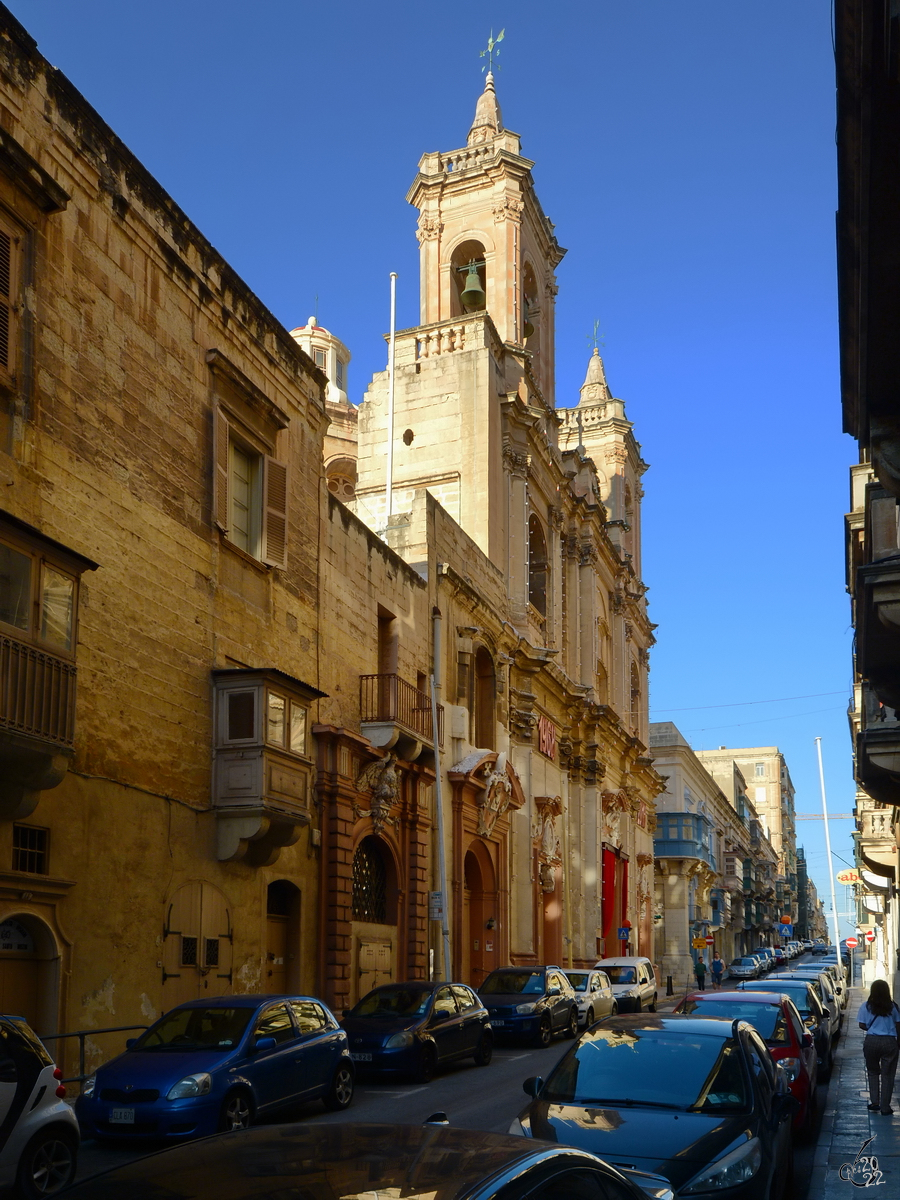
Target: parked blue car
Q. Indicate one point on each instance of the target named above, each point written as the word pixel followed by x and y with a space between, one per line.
pixel 217 1064
pixel 413 1028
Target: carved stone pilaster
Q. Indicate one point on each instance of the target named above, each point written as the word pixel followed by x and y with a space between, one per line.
pixel 429 229
pixel 508 209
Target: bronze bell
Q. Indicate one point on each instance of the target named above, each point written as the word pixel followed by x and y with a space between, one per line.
pixel 528 327
pixel 473 296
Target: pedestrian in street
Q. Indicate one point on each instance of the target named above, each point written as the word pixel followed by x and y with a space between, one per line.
pixel 717 967
pixel 700 972
pixel 879 1016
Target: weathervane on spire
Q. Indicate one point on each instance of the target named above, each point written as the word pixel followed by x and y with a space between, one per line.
pixel 595 338
pixel 492 52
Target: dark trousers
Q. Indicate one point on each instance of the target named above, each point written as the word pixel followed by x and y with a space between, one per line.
pixel 880 1053
pixel 701 982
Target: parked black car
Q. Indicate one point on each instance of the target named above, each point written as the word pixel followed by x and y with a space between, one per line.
pixel 368 1160
pixel 531 1003
pixel 697 1100
pixel 416 1027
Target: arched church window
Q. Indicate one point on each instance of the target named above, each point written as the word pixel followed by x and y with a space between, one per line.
pixel 468 279
pixel 538 566
pixel 635 695
pixel 370 877
pixel 485 699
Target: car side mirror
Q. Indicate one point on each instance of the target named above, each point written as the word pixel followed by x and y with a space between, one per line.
pixel 554 991
pixel 532 1085
pixel 440 1015
pixel 263 1043
pixel 129 1042
pixel 806 1041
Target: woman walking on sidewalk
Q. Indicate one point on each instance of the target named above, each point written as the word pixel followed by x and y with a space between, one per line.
pixel 879 1016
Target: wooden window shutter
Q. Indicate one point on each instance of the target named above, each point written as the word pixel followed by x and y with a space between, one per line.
pixel 7 287
pixel 275 479
pixel 220 482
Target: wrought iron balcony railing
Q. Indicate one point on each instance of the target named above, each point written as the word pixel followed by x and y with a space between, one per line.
pixel 390 698
pixel 37 692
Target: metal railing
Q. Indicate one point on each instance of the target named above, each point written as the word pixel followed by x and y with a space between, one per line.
pixel 37 692
pixel 390 698
pixel 81 1034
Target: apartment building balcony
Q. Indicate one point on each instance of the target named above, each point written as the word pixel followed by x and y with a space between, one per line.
pixel 263 772
pixel 37 723
pixel 878 747
pixel 396 716
pixel 878 627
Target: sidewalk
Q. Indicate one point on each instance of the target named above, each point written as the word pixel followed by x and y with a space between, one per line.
pixel 847 1123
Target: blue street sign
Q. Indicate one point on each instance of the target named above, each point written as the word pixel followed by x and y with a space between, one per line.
pixel 787 930
pixel 623 934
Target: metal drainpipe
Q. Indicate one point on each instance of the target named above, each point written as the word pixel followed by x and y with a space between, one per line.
pixel 438 794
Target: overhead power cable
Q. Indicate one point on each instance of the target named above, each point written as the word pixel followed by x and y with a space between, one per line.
pixel 747 703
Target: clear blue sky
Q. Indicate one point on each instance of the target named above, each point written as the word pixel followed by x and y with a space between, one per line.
pixel 686 154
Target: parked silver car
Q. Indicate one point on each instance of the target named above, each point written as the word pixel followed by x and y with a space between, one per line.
pixel 594 994
pixel 38 1131
pixel 747 967
pixel 633 982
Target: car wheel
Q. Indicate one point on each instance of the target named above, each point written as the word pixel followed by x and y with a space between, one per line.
pixel 340 1092
pixel 427 1064
pixel 652 1007
pixel 236 1113
pixel 571 1030
pixel 589 1019
pixel 48 1163
pixel 485 1051
pixel 543 1035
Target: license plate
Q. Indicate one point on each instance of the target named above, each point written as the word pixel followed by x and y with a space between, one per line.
pixel 500 1023
pixel 121 1116
pixel 361 1057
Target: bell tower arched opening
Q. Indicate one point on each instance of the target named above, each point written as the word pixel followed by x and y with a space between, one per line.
pixel 468 273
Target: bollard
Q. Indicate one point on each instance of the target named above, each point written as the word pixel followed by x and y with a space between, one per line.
pixel 670 991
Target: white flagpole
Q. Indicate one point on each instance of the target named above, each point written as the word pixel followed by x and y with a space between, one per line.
pixel 834 911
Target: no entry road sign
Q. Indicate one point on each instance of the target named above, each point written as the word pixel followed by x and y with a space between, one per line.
pixel 870 935
pixel 852 943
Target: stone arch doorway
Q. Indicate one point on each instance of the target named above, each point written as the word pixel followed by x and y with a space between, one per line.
pixel 30 963
pixel 281 972
pixel 374 907
pixel 481 912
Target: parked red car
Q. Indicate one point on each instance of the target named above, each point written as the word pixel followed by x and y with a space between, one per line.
pixel 776 1019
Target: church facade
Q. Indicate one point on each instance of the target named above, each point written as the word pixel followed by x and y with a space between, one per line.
pixel 523 518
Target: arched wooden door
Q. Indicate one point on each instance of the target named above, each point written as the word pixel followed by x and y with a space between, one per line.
pixel 281 972
pixel 480 914
pixel 197 944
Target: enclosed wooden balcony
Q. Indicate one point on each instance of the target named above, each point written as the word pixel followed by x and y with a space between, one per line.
pixel 37 723
pixel 394 715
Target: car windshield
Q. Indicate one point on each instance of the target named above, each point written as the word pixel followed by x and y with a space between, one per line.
pixel 578 980
pixel 767 1019
pixel 393 1002
pixel 659 1068
pixel 509 983
pixel 621 974
pixel 197 1029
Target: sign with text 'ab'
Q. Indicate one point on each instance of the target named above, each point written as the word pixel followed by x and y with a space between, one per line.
pixel 435 906
pixel 699 943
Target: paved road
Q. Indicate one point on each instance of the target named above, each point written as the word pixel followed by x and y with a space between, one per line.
pixel 486 1098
